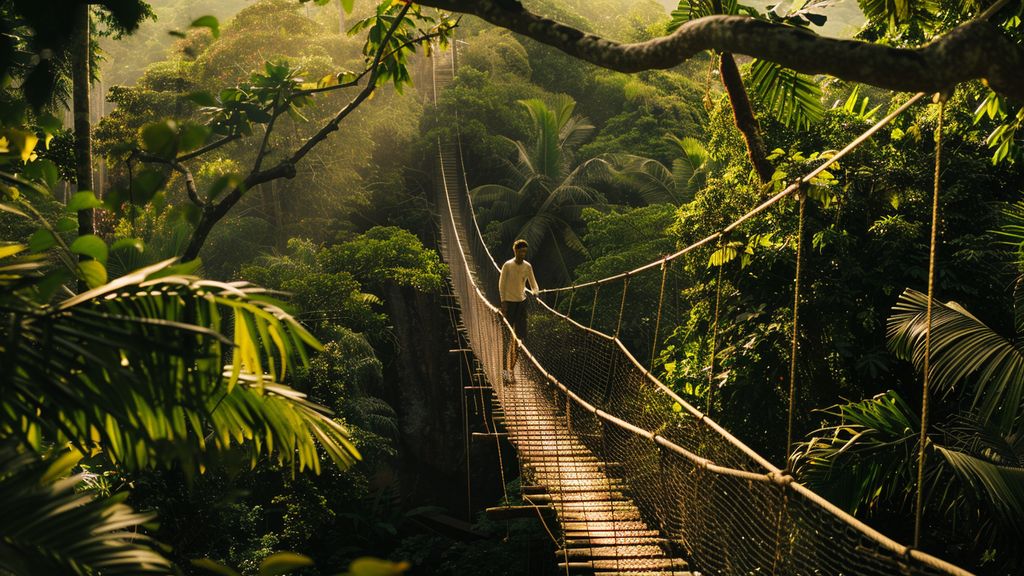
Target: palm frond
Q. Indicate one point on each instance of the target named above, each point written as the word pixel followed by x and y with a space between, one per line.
pixel 793 98
pixel 862 459
pixel 999 488
pixel 1011 232
pixel 562 105
pixel 868 458
pixel 574 132
pixel 898 13
pixel 568 194
pixel 967 356
pixel 689 10
pixel 511 229
pixel 546 154
pixel 137 367
pixel 690 170
pixel 375 415
pixel 49 528
pixel 502 202
pixel 524 167
pixel 657 184
pixel 648 178
pixel 573 241
pixel 1018 306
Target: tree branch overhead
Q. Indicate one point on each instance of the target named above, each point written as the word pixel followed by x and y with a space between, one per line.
pixel 975 50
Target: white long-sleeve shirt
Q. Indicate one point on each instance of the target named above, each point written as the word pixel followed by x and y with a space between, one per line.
pixel 512 281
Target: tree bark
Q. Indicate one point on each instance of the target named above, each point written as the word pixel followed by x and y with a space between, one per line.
pixel 970 51
pixel 83 124
pixel 743 116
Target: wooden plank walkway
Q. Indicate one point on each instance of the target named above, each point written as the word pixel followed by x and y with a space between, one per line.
pixel 604 531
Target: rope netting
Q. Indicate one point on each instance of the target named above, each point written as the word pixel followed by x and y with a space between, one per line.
pixel 716 501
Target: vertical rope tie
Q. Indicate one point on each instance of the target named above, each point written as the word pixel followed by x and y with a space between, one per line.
pixel 802 192
pixel 593 307
pixel 622 305
pixel 940 99
pixel 572 296
pixel 661 299
pixel 714 334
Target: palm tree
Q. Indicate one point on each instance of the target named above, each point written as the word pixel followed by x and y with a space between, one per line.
pixel 654 182
pixel 550 193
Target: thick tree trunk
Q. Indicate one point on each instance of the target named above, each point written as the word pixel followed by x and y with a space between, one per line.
pixel 83 124
pixel 743 116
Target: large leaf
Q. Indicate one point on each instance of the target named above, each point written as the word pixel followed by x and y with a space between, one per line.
pixel 650 179
pixel 688 10
pixel 545 155
pixel 967 357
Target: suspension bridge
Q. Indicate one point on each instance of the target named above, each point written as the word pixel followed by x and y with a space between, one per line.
pixel 637 480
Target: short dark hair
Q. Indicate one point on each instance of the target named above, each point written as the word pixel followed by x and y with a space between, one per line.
pixel 521 243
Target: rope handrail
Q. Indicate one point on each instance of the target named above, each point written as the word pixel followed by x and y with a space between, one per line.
pixel 795 186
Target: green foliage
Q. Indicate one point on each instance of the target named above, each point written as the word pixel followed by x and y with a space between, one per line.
pixel 323 296
pixel 232 242
pixel 968 358
pixel 867 460
pixel 618 240
pixel 867 227
pixel 1003 138
pixel 327 284
pixel 387 255
pixel 403 22
pixel 57 355
pixel 670 104
pixel 650 179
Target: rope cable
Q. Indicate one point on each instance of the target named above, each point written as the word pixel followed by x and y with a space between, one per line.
pixel 657 321
pixel 921 455
pixel 714 335
pixel 622 306
pixel 593 307
pixel 796 319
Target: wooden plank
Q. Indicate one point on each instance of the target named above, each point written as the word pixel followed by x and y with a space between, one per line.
pixel 516 512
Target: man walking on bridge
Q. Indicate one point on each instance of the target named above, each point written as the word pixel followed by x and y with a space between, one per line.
pixel 512 288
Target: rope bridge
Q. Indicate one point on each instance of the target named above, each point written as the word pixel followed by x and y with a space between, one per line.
pixel 638 478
